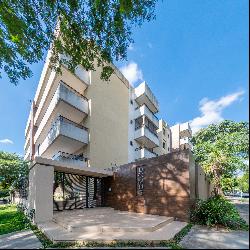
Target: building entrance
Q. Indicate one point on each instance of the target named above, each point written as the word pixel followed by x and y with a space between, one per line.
pixel 73 191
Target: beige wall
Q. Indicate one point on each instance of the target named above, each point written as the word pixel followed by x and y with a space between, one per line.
pixel 107 121
pixel 204 186
pixel 41 178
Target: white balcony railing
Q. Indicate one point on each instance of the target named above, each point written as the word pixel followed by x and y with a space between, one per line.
pixel 144 153
pixel 145 136
pixel 71 159
pixel 145 96
pixel 66 128
pixel 66 94
pixel 144 110
pixel 27 154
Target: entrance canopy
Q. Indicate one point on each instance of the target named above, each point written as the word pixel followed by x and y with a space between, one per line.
pixel 72 167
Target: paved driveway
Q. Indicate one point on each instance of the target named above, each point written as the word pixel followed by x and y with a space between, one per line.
pixel 20 240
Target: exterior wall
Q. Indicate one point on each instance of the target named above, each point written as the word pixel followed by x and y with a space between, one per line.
pixel 167 189
pixel 175 136
pixel 41 178
pixel 204 187
pixel 163 138
pixel 107 121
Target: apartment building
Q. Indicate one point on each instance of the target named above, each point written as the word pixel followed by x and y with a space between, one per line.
pixel 81 128
pixel 181 135
pixel 80 119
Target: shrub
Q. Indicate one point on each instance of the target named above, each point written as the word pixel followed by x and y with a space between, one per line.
pixel 217 211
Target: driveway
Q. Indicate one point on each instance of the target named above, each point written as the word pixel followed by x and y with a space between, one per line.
pixel 20 240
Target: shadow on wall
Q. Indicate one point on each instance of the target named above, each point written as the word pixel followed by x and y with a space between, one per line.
pixel 166 186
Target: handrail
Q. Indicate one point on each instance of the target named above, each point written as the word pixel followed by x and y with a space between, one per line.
pixel 69 156
pixel 64 119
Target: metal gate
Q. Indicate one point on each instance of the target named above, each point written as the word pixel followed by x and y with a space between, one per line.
pixel 73 191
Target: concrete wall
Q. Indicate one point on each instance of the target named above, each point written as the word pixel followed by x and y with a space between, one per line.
pixel 175 137
pixel 41 179
pixel 204 187
pixel 167 188
pixel 163 138
pixel 107 121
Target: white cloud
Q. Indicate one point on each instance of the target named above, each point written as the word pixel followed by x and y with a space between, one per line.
pixel 6 141
pixel 211 110
pixel 132 72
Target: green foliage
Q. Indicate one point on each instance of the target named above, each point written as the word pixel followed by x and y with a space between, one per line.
pixel 221 149
pixel 12 170
pixel 4 193
pixel 12 220
pixel 243 182
pixel 88 32
pixel 217 211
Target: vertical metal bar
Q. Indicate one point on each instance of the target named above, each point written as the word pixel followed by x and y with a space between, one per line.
pixel 87 192
pixel 64 204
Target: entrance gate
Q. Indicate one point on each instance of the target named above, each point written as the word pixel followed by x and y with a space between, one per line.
pixel 73 191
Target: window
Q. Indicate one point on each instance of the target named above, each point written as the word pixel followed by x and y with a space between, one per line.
pixel 131 143
pixel 131 102
pixel 138 123
pixel 168 135
pixel 168 149
pixel 164 131
pixel 131 121
pixel 164 144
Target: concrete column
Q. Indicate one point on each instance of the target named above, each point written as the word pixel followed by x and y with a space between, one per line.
pixel 41 178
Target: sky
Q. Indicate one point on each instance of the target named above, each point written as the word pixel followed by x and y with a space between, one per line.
pixel 194 57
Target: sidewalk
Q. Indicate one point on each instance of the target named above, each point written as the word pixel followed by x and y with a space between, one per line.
pixel 201 237
pixel 20 240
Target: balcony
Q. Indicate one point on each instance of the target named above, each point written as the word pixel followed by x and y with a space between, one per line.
pixel 51 85
pixel 144 153
pixel 145 96
pixel 146 137
pixel 27 154
pixel 185 143
pixel 144 110
pixel 66 102
pixel 65 136
pixel 70 158
pixel 185 130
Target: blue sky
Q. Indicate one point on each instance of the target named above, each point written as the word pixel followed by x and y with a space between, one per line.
pixel 194 57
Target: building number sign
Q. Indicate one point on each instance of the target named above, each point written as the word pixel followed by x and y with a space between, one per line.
pixel 139 180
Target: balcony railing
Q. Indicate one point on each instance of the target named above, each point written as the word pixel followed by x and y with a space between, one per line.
pixel 148 128
pixel 144 110
pixel 66 128
pixel 69 158
pixel 142 153
pixel 144 95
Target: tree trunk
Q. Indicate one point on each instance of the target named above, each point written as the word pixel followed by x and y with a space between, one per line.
pixel 217 181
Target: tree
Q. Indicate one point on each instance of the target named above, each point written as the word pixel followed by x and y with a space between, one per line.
pixel 13 169
pixel 243 182
pixel 85 31
pixel 222 150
